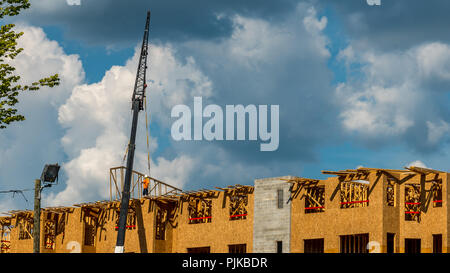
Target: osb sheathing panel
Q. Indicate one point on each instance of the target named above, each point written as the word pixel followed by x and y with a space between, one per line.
pixel 72 235
pixel 137 239
pixel 19 246
pixel 391 216
pixel 335 221
pixel 433 221
pixel 218 234
pixel 164 246
pixel 377 219
pixel 105 238
pixel 140 238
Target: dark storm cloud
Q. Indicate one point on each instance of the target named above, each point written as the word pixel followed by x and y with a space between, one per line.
pixel 393 25
pixel 118 23
pixel 396 24
pixel 263 63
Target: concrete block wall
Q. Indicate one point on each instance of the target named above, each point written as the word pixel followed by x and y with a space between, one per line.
pixel 270 223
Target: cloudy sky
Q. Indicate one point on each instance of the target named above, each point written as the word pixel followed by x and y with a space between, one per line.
pixel 356 85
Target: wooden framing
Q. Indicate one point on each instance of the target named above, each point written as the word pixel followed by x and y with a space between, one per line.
pixel 160 224
pixel 390 193
pixel 60 214
pixel 50 230
pixel 238 201
pixel 237 248
pixel 315 199
pixel 200 210
pixel 5 234
pixel 238 206
pixel 24 221
pixel 355 243
pixel 437 194
pixel 350 175
pixel 199 205
pixel 313 245
pixel 394 176
pixel 353 195
pixel 297 184
pixel 156 187
pixel 412 202
pixel 171 221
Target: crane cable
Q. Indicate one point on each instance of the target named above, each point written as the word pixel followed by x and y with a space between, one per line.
pixel 147 130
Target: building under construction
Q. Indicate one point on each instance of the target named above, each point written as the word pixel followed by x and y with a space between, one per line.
pixel 353 211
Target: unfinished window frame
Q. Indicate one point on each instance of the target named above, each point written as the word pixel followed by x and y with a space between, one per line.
pixel 50 229
pixel 390 242
pixel 238 207
pixel 200 210
pixel 354 195
pixel 203 249
pixel 61 225
pixel 391 193
pixel 413 245
pixel 131 218
pixel 280 198
pixel 354 243
pixel 437 243
pixel 5 236
pixel 89 234
pixel 412 202
pixel 315 199
pixel 237 248
pixel 90 220
pixel 160 226
pixel 437 194
pixel 279 246
pixel 25 228
pixel 314 245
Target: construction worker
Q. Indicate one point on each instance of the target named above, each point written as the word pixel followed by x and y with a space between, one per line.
pixel 145 183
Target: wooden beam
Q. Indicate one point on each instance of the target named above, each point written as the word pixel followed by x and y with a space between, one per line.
pixel 340 173
pixel 300 180
pixel 378 169
pixel 422 170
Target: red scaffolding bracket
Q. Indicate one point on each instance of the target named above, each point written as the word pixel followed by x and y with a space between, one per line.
pixel 237 215
pixel 314 207
pixel 206 217
pixel 354 202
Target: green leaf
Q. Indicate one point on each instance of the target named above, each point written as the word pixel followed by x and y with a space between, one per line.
pixel 9 90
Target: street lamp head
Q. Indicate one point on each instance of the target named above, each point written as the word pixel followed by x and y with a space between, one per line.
pixel 50 173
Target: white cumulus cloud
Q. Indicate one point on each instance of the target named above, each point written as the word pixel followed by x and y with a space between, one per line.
pixel 28 145
pixel 396 94
pixel 417 163
pixel 98 120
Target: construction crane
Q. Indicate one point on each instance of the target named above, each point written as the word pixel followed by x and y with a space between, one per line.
pixel 137 105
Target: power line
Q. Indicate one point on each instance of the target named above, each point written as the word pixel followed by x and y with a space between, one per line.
pixel 18 191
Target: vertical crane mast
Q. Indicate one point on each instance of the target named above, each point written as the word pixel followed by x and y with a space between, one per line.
pixel 137 105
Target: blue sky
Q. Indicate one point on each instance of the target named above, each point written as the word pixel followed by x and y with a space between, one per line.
pixel 357 85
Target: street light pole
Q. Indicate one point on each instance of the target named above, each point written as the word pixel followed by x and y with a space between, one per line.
pixel 37 217
pixel 48 177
